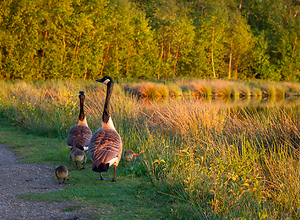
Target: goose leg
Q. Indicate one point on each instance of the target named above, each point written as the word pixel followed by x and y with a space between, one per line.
pixel 101 177
pixel 114 178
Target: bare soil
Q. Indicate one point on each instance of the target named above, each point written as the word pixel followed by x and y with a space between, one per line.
pixel 19 178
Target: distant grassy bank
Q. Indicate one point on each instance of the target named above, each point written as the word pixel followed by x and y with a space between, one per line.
pixel 211 89
pixel 220 162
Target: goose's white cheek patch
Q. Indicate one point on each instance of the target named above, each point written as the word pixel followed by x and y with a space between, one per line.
pixel 106 81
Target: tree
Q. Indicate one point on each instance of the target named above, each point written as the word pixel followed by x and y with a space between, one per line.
pixel 240 44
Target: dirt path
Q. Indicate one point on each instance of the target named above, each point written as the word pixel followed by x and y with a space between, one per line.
pixel 18 178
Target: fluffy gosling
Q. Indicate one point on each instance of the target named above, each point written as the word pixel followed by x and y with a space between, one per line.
pixel 129 155
pixel 78 156
pixel 62 173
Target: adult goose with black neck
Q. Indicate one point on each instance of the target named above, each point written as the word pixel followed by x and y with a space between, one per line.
pixel 80 135
pixel 105 148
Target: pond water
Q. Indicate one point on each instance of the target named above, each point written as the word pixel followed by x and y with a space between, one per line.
pixel 256 102
pixel 244 102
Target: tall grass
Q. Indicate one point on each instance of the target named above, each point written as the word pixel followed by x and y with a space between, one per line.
pixel 234 164
pixel 225 163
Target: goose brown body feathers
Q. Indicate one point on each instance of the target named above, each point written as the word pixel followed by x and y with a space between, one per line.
pixel 80 135
pixel 106 145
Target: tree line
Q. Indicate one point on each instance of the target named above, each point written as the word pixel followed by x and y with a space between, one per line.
pixel 232 39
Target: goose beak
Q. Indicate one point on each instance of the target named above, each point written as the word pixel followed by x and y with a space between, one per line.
pixel 99 80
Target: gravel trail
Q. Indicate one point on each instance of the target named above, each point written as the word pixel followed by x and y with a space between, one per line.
pixel 19 178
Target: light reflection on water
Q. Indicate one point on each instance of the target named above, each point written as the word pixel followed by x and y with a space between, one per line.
pixel 239 102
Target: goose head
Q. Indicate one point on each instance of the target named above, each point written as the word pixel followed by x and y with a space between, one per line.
pixel 81 95
pixel 106 80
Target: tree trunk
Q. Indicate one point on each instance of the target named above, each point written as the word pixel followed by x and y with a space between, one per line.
pixel 230 60
pixel 117 48
pixel 101 73
pixel 236 66
pixel 212 54
pixel 43 53
pixel 84 77
pixel 161 55
pixel 170 41
pixel 93 38
pixel 117 57
pixel 294 48
pixel 162 50
pixel 129 56
pixel 62 56
pixel 176 58
pixel 77 49
pixel 32 58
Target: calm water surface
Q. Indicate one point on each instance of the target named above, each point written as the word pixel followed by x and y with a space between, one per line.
pixel 246 102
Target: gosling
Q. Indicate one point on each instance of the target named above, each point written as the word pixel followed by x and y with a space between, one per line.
pixel 129 155
pixel 62 173
pixel 78 156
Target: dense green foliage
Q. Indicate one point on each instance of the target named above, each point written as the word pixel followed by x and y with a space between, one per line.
pixel 150 39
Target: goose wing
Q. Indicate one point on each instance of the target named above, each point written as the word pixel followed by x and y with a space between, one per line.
pixel 105 146
pixel 81 135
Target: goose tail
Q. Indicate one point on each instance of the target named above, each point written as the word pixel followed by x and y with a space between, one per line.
pixel 99 167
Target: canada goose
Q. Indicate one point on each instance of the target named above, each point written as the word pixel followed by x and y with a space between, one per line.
pixel 129 155
pixel 105 148
pixel 78 156
pixel 80 135
pixel 62 173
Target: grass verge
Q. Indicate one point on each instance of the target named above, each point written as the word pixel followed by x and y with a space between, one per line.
pixel 131 197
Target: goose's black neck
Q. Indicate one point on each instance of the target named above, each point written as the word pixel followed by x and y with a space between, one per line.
pixel 81 111
pixel 106 115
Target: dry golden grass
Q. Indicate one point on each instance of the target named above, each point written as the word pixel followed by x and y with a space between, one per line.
pixel 184 117
pixel 149 90
pixel 224 162
pixel 227 158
